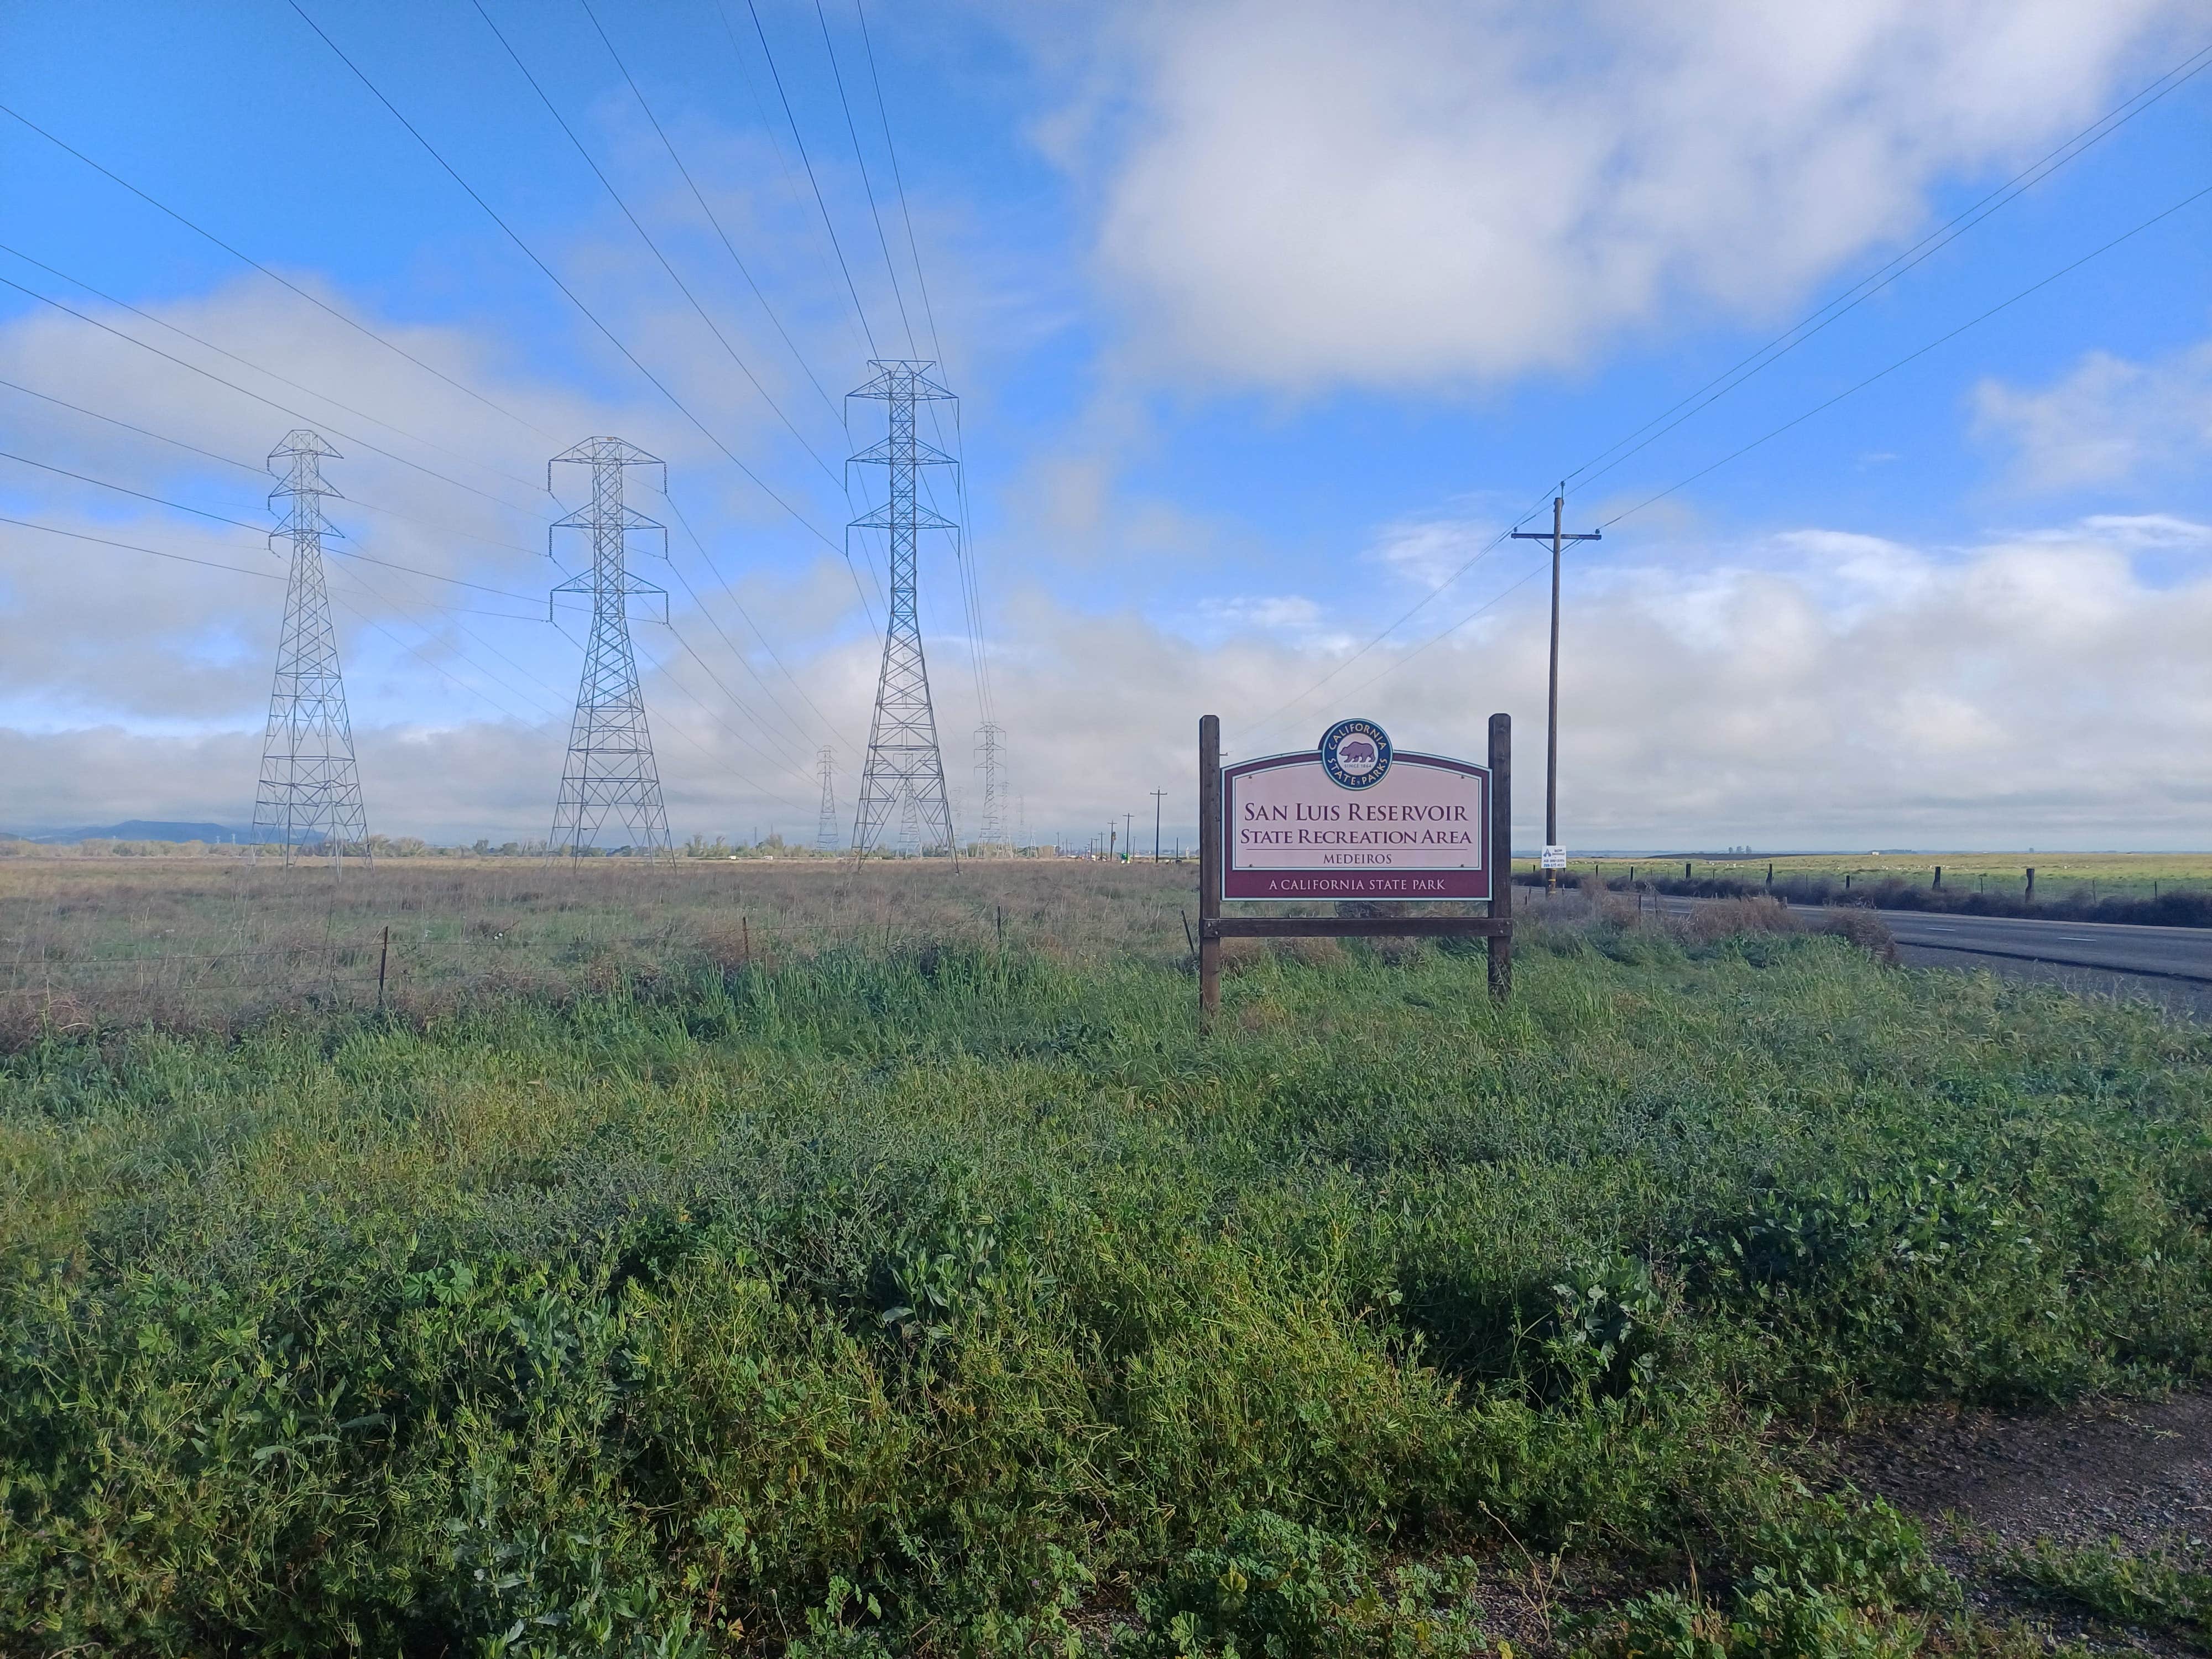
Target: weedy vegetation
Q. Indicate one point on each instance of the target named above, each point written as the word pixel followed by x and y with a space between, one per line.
pixel 862 1294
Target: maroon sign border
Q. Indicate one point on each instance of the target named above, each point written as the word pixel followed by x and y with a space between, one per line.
pixel 1248 885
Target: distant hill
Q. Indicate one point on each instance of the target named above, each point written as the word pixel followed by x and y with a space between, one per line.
pixel 154 829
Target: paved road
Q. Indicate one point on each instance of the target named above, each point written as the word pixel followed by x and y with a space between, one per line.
pixel 2172 964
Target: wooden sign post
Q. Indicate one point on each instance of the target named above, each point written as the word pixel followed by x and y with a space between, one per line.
pixel 1317 824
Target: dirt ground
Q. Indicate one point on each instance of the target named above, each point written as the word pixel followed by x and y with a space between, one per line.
pixel 2134 1473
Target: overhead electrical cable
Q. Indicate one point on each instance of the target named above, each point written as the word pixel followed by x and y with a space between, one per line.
pixel 659 384
pixel 273 277
pixel 859 309
pixel 782 160
pixel 929 312
pixel 386 602
pixel 661 668
pixel 262 472
pixel 1913 355
pixel 713 218
pixel 729 596
pixel 477 692
pixel 124 490
pixel 867 189
pixel 646 236
pixel 247 362
pixel 133 547
pixel 964 555
pixel 1881 277
pixel 705 668
pixel 285 409
pixel 260 529
pixel 1825 404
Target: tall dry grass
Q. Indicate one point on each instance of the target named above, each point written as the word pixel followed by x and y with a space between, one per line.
pixel 207 944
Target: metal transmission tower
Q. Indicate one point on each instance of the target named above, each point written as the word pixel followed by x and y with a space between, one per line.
pixel 825 826
pixel 904 766
pixel 990 762
pixel 609 772
pixel 309 782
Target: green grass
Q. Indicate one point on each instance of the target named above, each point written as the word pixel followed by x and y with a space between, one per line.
pixel 2168 1589
pixel 942 1300
pixel 2060 876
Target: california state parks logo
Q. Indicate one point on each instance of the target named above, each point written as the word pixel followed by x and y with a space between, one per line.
pixel 1355 754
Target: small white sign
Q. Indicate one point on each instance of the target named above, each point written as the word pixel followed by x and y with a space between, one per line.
pixel 1554 858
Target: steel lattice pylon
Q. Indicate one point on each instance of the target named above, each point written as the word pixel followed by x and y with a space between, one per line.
pixel 310 783
pixel 990 763
pixel 904 769
pixel 609 772
pixel 825 823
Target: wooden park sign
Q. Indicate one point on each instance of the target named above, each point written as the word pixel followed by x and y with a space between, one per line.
pixel 1354 819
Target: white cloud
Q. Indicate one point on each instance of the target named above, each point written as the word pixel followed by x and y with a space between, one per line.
pixel 1396 193
pixel 2108 422
pixel 1821 689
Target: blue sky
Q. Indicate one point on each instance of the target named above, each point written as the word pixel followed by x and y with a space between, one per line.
pixel 1264 319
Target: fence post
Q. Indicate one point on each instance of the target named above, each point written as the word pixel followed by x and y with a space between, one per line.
pixel 1685 869
pixel 1501 854
pixel 1939 875
pixel 2031 884
pixel 1209 865
pixel 383 959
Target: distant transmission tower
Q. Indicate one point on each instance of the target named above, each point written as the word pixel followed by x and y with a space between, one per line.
pixel 825 826
pixel 310 784
pixel 609 772
pixel 910 826
pixel 904 767
pixel 990 762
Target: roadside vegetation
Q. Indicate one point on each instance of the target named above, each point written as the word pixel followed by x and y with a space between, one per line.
pixel 2169 890
pixel 868 1292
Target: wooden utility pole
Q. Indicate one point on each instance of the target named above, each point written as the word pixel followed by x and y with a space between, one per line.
pixel 1501 855
pixel 1209 865
pixel 1558 539
pixel 1157 795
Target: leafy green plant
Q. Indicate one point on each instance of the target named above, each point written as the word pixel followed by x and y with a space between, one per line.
pixel 1273 1588
pixel 2165 1588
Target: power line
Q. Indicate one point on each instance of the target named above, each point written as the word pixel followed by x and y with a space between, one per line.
pixel 1910 356
pixel 867 189
pixel 645 235
pixel 1884 276
pixel 132 547
pixel 1825 404
pixel 704 668
pixel 861 310
pixel 782 162
pixel 971 589
pixel 247 362
pixel 272 275
pixel 929 312
pixel 284 409
pixel 84 477
pixel 729 596
pixel 199 512
pixel 248 466
pixel 713 218
pixel 589 316
pixel 368 621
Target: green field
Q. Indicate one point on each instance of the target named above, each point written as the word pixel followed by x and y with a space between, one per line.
pixel 2058 876
pixel 876 1286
